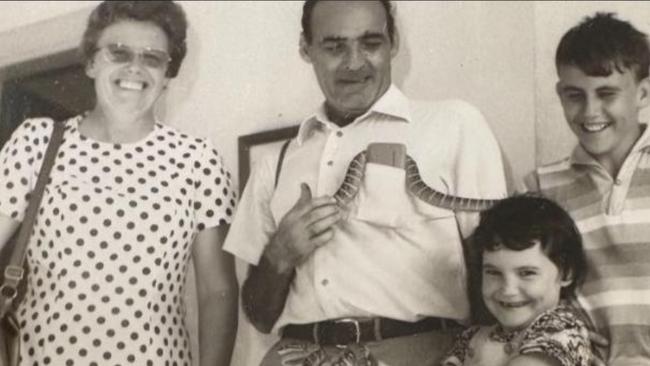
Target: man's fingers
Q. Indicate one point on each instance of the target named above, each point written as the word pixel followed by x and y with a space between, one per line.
pixel 305 193
pixel 324 222
pixel 306 202
pixel 322 238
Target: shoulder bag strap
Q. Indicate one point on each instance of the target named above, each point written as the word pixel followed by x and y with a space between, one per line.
pixel 278 168
pixel 13 272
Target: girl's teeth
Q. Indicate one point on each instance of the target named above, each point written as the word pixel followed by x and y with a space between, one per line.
pixel 131 85
pixel 513 304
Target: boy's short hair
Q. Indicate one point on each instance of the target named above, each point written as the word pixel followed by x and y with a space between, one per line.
pixel 602 43
pixel 518 222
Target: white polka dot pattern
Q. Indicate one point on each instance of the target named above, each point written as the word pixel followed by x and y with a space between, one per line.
pixel 111 243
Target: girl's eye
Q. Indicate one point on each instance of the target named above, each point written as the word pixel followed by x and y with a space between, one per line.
pixel 491 272
pixel 527 273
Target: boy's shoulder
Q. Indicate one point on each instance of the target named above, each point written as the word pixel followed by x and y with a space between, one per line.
pixel 556 166
pixel 549 175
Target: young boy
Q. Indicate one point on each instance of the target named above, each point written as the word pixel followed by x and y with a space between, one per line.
pixel 602 64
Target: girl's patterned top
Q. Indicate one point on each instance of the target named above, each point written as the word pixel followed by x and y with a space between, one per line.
pixel 556 333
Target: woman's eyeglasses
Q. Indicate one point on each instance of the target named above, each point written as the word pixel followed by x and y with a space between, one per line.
pixel 118 53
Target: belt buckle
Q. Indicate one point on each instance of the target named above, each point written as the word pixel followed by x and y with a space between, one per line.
pixel 357 329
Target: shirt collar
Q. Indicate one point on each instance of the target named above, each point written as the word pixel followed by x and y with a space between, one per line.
pixel 581 157
pixel 393 103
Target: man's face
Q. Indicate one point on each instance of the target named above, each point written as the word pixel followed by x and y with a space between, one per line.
pixel 351 53
pixel 603 111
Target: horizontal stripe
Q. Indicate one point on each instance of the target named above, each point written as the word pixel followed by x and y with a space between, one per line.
pixel 629 345
pixel 617 299
pixel 638 199
pixel 617 271
pixel 643 168
pixel 555 167
pixel 574 194
pixel 612 284
pixel 628 217
pixel 623 253
pixel 626 319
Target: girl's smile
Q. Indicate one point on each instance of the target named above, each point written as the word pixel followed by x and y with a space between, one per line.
pixel 520 285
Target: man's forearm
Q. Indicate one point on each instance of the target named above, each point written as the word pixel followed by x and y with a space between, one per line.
pixel 264 294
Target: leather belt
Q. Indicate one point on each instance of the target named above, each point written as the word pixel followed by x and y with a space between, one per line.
pixel 350 330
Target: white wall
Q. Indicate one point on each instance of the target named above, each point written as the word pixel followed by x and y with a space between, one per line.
pixel 19 13
pixel 243 73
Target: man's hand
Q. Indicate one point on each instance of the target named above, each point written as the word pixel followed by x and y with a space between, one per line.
pixel 304 228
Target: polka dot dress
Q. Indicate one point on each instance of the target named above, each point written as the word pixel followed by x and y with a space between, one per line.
pixel 111 243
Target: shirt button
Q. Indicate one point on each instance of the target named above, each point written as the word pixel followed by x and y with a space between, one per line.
pixel 330 163
pixel 339 133
pixel 325 282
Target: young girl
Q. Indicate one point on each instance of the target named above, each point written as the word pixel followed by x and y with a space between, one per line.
pixel 532 261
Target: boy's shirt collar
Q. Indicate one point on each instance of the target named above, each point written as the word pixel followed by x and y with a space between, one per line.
pixel 580 156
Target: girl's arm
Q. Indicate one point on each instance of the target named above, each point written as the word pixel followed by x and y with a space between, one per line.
pixel 534 359
pixel 217 294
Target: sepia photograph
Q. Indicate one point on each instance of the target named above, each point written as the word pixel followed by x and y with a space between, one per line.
pixel 324 182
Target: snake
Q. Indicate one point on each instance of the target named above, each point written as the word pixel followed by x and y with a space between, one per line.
pixel 414 184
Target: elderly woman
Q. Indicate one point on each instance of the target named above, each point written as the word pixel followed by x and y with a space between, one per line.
pixel 129 201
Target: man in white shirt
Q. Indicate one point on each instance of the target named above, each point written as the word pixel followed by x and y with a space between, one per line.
pixel 382 279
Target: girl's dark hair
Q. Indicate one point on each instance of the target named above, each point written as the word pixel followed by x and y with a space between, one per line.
pixel 167 15
pixel 519 222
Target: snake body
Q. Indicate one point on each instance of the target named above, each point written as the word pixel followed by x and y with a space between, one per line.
pixel 414 184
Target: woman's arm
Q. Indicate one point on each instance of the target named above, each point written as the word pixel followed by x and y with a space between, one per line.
pixel 217 294
pixel 7 228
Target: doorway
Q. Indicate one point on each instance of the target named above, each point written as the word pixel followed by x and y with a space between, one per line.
pixel 55 86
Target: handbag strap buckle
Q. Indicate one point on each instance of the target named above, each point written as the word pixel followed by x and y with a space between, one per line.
pixel 12 277
pixel 14 273
pixel 8 292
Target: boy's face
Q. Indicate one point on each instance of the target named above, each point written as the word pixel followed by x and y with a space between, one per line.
pixel 603 111
pixel 520 285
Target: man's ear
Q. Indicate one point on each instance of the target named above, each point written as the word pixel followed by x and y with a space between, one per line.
pixel 395 44
pixel 643 93
pixel 304 48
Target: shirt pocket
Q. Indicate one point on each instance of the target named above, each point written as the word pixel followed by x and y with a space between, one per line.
pixel 384 199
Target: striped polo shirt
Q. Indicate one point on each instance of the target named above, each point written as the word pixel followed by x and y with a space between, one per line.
pixel 613 215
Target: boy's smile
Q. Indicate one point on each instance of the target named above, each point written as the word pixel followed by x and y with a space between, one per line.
pixel 603 111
